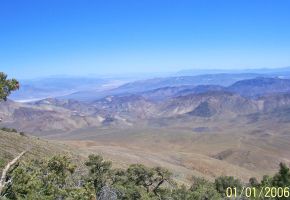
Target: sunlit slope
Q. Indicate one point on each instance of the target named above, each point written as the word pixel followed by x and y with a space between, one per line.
pixel 12 144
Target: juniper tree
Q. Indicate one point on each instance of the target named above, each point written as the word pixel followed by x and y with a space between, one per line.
pixel 7 86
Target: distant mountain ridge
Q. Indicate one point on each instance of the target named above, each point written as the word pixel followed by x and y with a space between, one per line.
pixel 156 83
pixel 260 86
pixel 91 88
pixel 207 129
pixel 252 96
pixel 282 71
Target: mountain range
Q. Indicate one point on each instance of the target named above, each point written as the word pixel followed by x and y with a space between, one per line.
pixel 240 129
pixel 244 97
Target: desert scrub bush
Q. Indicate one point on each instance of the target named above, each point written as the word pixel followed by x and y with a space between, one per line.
pixel 56 178
pixel 11 130
pixel 22 134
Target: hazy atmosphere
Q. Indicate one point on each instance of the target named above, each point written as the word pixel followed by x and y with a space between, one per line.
pixel 145 100
pixel 43 38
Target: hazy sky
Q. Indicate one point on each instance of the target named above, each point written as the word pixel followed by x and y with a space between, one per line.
pixel 46 37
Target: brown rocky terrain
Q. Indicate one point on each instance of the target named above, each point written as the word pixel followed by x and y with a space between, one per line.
pixel 205 130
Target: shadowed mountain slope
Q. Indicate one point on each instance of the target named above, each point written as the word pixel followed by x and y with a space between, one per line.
pixel 260 86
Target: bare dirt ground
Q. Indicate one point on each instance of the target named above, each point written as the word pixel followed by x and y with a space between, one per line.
pixel 240 151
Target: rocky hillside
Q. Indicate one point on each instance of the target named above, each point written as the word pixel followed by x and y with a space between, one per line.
pixel 204 102
pixel 43 117
pixel 12 144
pixel 260 86
pixel 209 104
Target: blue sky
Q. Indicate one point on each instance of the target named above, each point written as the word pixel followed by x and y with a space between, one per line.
pixel 50 37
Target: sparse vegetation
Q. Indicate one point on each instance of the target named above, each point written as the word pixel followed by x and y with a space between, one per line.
pixel 57 178
pixel 13 130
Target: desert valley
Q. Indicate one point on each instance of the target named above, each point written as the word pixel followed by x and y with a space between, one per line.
pixel 238 126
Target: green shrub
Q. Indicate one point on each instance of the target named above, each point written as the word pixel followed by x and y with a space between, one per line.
pixel 224 182
pixel 11 130
pixel 56 178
